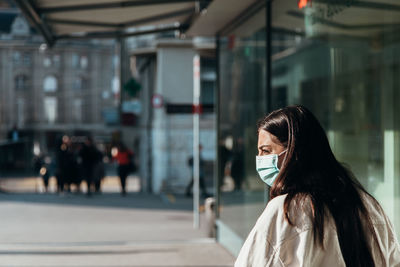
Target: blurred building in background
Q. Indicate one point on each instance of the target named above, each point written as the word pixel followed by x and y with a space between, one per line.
pixel 138 90
pixel 71 89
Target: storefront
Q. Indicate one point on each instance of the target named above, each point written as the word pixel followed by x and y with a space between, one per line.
pixel 341 59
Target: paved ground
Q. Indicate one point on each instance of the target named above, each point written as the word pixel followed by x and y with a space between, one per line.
pixel 35 184
pixel 102 230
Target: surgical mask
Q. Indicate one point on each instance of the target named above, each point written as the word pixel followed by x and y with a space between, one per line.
pixel 267 167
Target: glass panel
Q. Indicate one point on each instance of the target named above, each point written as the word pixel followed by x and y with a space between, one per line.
pixel 242 102
pixel 48 93
pixel 342 61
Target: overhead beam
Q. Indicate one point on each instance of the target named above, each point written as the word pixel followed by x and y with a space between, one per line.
pixel 242 17
pixel 186 11
pixel 84 23
pixel 120 26
pixel 31 13
pixel 190 19
pixel 121 4
pixel 119 34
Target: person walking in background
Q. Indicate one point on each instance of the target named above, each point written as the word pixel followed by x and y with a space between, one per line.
pixel 189 187
pixel 126 164
pixel 319 214
pixel 63 156
pixel 98 172
pixel 72 171
pixel 90 156
pixel 237 166
pixel 42 167
pixel 225 157
pixel 13 134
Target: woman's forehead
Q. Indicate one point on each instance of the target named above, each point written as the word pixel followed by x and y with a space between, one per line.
pixel 266 138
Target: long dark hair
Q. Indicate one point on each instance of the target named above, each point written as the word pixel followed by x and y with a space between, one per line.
pixel 310 169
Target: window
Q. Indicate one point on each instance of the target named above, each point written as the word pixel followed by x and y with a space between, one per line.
pixel 78 61
pixel 50 84
pixel 77 110
pixel 21 111
pixel 207 92
pixel 75 60
pixel 21 82
pixel 84 62
pixel 50 109
pixel 77 85
pixel 22 58
pixel 47 62
pixel 17 58
pixel 27 59
pixel 57 60
pixel 80 83
pixel 208 78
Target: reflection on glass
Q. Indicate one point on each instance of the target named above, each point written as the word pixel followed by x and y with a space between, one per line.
pixel 341 61
pixel 47 93
pixel 242 102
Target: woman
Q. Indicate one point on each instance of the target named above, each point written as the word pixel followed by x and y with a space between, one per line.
pixel 319 214
pixel 124 157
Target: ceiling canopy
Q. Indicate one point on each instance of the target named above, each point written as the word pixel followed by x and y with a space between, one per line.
pixel 78 19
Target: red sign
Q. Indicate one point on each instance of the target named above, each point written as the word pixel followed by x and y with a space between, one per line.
pixel 231 42
pixel 303 3
pixel 197 109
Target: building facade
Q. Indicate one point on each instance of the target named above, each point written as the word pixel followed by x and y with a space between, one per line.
pixel 46 93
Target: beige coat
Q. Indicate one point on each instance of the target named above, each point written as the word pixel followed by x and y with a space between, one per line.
pixel 273 242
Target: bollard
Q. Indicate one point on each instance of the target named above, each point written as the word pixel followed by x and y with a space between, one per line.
pixel 210 216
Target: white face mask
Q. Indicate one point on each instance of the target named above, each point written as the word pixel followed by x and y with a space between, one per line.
pixel 267 167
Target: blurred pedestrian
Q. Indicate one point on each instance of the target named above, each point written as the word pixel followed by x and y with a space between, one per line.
pixel 63 159
pixel 126 164
pixel 72 172
pixel 13 134
pixel 98 172
pixel 202 184
pixel 237 165
pixel 42 167
pixel 319 214
pixel 90 157
pixel 225 157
